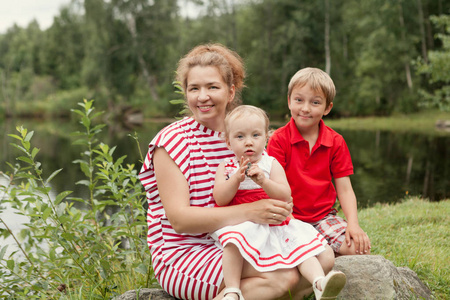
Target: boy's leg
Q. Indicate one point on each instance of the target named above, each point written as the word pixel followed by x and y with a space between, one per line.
pixel 332 228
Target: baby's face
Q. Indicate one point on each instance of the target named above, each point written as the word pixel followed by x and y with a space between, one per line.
pixel 247 137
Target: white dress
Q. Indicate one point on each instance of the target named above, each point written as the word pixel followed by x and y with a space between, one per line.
pixel 268 247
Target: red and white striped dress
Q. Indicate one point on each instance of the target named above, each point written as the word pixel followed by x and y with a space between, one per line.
pixel 187 266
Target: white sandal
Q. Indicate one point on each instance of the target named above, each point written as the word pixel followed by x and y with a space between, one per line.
pixel 232 290
pixel 332 284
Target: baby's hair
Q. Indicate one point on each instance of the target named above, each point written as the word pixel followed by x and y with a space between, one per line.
pixel 243 111
pixel 227 61
pixel 317 79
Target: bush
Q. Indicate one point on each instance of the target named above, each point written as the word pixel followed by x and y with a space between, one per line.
pixel 66 252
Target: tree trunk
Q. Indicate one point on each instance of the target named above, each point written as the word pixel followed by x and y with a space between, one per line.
pixel 403 36
pixel 150 79
pixel 327 37
pixel 429 28
pixel 422 32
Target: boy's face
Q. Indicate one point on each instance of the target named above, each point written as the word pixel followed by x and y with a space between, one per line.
pixel 307 108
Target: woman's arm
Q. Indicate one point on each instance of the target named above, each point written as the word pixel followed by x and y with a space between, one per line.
pixel 174 192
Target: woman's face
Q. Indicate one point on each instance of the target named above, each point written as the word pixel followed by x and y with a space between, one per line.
pixel 207 96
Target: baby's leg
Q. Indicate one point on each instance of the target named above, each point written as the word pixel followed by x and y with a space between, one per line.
pixel 311 269
pixel 232 263
pixel 326 259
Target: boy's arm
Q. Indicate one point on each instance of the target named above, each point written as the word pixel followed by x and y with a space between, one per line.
pixel 224 190
pixel 347 199
pixel 277 186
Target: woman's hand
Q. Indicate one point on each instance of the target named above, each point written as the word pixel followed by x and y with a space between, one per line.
pixel 269 211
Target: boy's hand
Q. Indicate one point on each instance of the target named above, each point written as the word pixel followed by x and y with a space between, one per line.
pixel 359 237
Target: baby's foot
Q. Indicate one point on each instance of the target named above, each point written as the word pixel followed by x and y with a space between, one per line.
pixel 232 294
pixel 330 286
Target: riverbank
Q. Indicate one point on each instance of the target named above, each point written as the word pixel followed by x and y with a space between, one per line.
pixel 423 122
pixel 413 234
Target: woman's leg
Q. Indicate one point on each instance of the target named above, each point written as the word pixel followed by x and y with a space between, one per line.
pixel 279 284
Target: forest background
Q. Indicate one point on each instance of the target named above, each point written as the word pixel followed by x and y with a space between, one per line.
pixel 385 57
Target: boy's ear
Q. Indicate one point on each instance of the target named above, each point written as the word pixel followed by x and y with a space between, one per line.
pixel 328 109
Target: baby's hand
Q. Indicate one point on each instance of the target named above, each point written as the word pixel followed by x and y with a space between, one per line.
pixel 256 174
pixel 242 171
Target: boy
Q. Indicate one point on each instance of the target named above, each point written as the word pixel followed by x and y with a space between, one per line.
pixel 312 155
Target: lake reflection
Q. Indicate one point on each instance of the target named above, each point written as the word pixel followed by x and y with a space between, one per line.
pixel 387 165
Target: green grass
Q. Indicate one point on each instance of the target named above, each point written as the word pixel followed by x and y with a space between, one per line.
pixel 414 234
pixel 423 122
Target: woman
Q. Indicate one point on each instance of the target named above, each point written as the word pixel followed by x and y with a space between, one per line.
pixel 178 175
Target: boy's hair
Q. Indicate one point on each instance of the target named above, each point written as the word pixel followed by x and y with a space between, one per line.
pixel 317 80
pixel 243 111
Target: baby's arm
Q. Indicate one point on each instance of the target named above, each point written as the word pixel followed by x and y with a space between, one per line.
pixel 277 186
pixel 225 189
pixel 347 199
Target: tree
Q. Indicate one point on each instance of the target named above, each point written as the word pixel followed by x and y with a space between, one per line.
pixel 438 68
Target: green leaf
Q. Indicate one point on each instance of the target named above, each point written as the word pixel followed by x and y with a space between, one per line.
pixel 10 264
pixel 142 269
pixel 19 147
pixel 67 236
pixel 46 213
pixel 2 252
pixel 29 136
pixel 52 176
pixel 86 122
pixel 177 101
pixel 77 111
pixel 25 159
pixel 15 136
pixel 34 152
pixel 83 182
pixel 61 196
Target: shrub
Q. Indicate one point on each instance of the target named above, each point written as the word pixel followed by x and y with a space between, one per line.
pixel 65 252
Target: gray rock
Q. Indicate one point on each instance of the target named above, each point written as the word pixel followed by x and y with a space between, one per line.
pixel 145 294
pixel 368 277
pixel 374 277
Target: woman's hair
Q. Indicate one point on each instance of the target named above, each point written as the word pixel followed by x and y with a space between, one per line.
pixel 244 111
pixel 228 62
pixel 317 79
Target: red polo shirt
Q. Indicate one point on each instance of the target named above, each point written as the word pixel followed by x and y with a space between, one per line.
pixel 310 174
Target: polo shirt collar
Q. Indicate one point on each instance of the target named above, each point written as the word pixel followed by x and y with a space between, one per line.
pixel 325 137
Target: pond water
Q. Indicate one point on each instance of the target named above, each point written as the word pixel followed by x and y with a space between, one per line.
pixel 387 165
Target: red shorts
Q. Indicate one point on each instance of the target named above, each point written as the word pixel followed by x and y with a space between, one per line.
pixel 332 227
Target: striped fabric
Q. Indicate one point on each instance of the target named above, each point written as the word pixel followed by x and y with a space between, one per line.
pixel 187 266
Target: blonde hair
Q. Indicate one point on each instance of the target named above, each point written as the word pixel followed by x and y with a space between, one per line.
pixel 243 111
pixel 228 62
pixel 317 80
